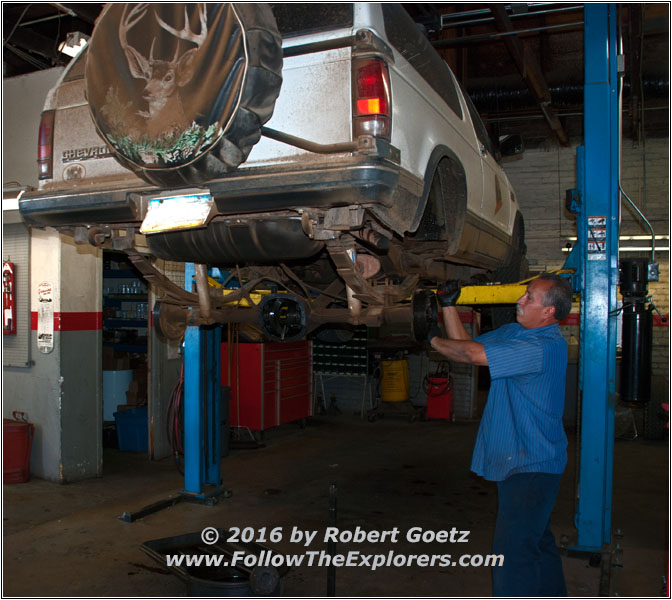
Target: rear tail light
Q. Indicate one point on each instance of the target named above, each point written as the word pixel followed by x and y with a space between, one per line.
pixel 45 145
pixel 371 102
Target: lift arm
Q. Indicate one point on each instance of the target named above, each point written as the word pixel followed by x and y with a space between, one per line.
pixel 500 293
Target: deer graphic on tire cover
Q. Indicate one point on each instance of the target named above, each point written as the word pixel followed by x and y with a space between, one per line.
pixel 164 77
pixel 159 111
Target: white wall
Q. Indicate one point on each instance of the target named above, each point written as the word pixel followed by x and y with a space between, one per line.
pixel 35 390
pixel 22 101
pixel 60 391
pixel 540 180
pixel 542 177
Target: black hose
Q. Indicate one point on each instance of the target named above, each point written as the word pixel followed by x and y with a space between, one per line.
pixel 175 422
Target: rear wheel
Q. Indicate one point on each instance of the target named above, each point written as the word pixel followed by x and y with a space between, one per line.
pixel 515 269
pixel 446 207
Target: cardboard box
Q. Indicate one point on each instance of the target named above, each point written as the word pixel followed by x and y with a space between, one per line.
pixel 115 361
pixel 122 363
pixel 108 359
pixel 132 393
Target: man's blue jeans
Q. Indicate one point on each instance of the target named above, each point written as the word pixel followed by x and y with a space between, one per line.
pixel 532 564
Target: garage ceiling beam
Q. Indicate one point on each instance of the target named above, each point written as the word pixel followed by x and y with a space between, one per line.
pixel 530 69
pixel 446 19
pixel 86 12
pixel 33 41
pixel 15 59
pixel 481 38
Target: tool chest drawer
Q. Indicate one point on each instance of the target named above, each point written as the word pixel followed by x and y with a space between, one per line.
pixel 271 383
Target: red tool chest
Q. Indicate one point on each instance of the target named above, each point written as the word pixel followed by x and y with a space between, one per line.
pixel 271 383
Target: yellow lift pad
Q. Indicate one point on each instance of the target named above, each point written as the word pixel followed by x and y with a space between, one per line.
pixel 500 293
pixel 255 296
pixel 491 294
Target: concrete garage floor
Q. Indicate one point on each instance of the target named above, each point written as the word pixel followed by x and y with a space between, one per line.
pixel 66 540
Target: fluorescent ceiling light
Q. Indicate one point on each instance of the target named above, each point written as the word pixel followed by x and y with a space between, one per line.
pixel 642 249
pixel 633 249
pixel 11 202
pixel 74 44
pixel 631 237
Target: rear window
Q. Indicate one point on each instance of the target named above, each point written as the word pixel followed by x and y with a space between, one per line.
pixel 409 40
pixel 301 18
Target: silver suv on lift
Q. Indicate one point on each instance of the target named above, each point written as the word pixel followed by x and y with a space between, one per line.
pixel 323 154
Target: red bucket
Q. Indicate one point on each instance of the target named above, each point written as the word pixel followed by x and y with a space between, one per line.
pixel 439 397
pixel 17 441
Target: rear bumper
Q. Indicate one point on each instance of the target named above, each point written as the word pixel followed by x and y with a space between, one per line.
pixel 58 209
pixel 353 180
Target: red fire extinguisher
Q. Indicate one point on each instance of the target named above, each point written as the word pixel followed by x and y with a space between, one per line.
pixel 8 299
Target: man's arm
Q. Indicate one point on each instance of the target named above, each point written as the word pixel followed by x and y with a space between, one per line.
pixel 459 346
pixel 464 351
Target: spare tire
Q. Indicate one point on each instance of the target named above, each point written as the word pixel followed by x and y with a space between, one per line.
pixel 180 91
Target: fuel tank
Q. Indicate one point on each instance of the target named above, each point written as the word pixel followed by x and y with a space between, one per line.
pixel 268 241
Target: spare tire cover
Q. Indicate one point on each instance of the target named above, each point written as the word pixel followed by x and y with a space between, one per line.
pixel 171 86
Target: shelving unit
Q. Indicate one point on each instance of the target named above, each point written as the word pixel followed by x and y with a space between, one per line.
pixel 347 358
pixel 125 310
pixel 115 323
pixel 350 359
pixel 125 331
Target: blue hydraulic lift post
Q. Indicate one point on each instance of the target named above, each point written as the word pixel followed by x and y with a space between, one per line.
pixel 214 405
pixel 193 411
pixel 598 228
pixel 203 421
pixel 202 405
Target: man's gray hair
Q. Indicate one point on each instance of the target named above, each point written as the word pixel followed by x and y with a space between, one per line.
pixel 559 295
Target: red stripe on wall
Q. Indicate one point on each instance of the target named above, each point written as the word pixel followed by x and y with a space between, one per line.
pixel 72 321
pixel 90 321
pixel 80 321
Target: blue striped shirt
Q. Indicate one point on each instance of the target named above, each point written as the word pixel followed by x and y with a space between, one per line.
pixel 521 429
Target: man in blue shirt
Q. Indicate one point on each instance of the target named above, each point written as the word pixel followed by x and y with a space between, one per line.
pixel 521 443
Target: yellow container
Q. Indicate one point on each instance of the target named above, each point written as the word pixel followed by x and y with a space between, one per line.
pixel 394 383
